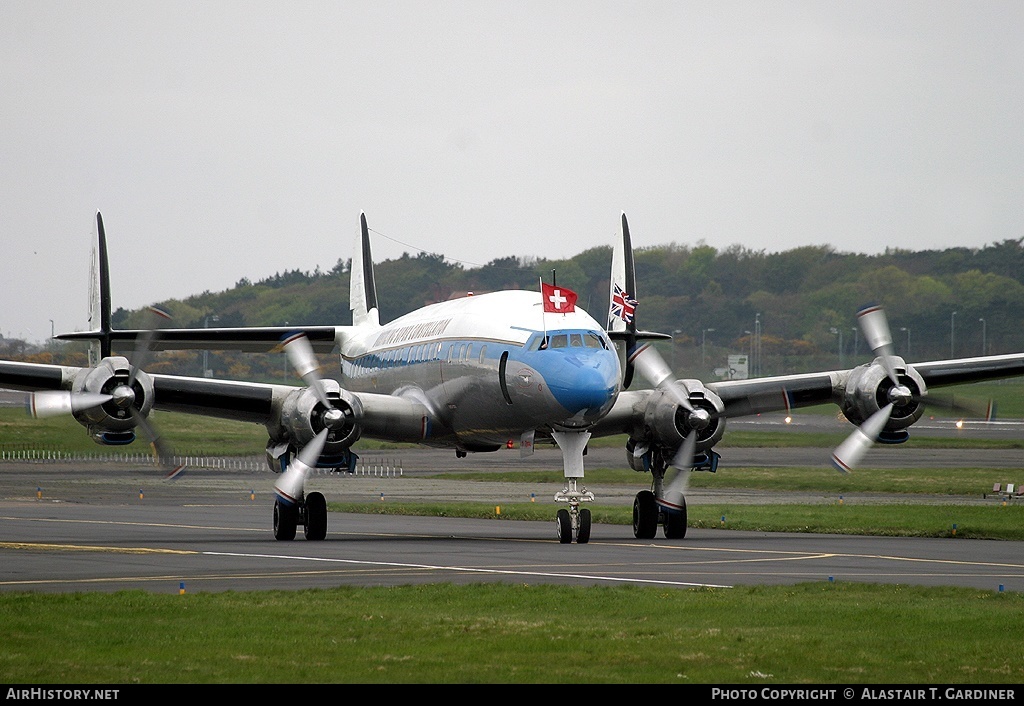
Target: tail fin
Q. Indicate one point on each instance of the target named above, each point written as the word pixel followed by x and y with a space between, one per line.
pixel 362 289
pixel 623 304
pixel 99 296
pixel 622 301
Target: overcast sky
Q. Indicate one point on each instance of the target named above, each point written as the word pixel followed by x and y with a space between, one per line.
pixel 223 140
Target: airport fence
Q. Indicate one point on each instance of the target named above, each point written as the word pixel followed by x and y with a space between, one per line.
pixel 378 466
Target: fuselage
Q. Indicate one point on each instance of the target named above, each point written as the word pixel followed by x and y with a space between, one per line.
pixel 489 367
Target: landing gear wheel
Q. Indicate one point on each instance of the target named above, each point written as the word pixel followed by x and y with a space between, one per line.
pixel 675 522
pixel 645 515
pixel 583 533
pixel 316 517
pixel 286 519
pixel 563 525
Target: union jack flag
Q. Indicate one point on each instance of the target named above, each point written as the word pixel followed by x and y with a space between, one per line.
pixel 623 306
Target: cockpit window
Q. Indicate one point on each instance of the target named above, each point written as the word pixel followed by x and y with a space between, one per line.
pixel 574 339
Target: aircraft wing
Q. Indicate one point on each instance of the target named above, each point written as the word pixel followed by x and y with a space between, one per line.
pixel 783 392
pixel 967 370
pixel 260 339
pixel 287 411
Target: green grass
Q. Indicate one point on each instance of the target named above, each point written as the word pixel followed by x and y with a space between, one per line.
pixel 519 634
pixel 974 482
pixel 995 521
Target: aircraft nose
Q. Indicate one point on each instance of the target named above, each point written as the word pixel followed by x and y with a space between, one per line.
pixel 586 388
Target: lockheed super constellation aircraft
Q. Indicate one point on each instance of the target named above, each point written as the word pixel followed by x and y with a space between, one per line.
pixel 473 374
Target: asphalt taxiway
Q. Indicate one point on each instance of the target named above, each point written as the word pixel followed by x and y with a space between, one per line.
pixel 107 527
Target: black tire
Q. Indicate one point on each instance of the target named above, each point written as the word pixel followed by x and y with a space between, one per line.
pixel 645 515
pixel 675 521
pixel 286 519
pixel 583 534
pixel 316 517
pixel 563 525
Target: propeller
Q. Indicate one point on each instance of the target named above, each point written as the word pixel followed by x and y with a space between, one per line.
pixel 300 354
pixel 649 363
pixel 51 403
pixel 875 326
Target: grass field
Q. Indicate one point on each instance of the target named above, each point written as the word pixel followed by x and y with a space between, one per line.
pixel 819 633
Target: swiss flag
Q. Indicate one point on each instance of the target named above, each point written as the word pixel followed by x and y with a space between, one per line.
pixel 558 300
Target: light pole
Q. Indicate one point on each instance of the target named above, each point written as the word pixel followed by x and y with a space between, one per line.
pixel 703 344
pixel 952 322
pixel 839 332
pixel 750 358
pixel 757 335
pixel 673 351
pixel 207 373
pixel 982 336
pixel 907 329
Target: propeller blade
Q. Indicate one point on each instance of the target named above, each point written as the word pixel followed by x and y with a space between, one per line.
pixel 56 402
pixel 300 354
pixel 875 326
pixel 684 455
pixel 163 453
pixel 289 487
pixel 975 409
pixel 157 318
pixel 673 497
pixel 653 367
pixel 850 453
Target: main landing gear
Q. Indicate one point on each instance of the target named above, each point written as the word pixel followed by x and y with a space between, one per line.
pixel 310 512
pixel 649 512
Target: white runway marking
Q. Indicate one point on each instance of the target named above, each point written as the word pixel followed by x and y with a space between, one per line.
pixel 469 569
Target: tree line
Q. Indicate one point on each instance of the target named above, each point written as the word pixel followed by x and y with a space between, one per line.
pixel 792 310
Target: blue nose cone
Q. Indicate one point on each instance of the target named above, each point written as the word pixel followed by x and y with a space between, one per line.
pixel 586 384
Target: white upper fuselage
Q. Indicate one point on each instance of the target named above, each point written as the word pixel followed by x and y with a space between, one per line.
pixel 481 366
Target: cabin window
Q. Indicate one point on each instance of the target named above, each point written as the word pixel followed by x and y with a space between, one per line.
pixel 560 341
pixel 483 354
pixel 575 340
pixel 593 340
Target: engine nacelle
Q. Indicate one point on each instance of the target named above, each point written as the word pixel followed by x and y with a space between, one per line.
pixel 114 421
pixel 868 390
pixel 303 416
pixel 667 423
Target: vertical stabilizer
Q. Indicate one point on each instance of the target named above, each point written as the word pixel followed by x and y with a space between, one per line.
pixel 623 301
pixel 362 289
pixel 99 295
